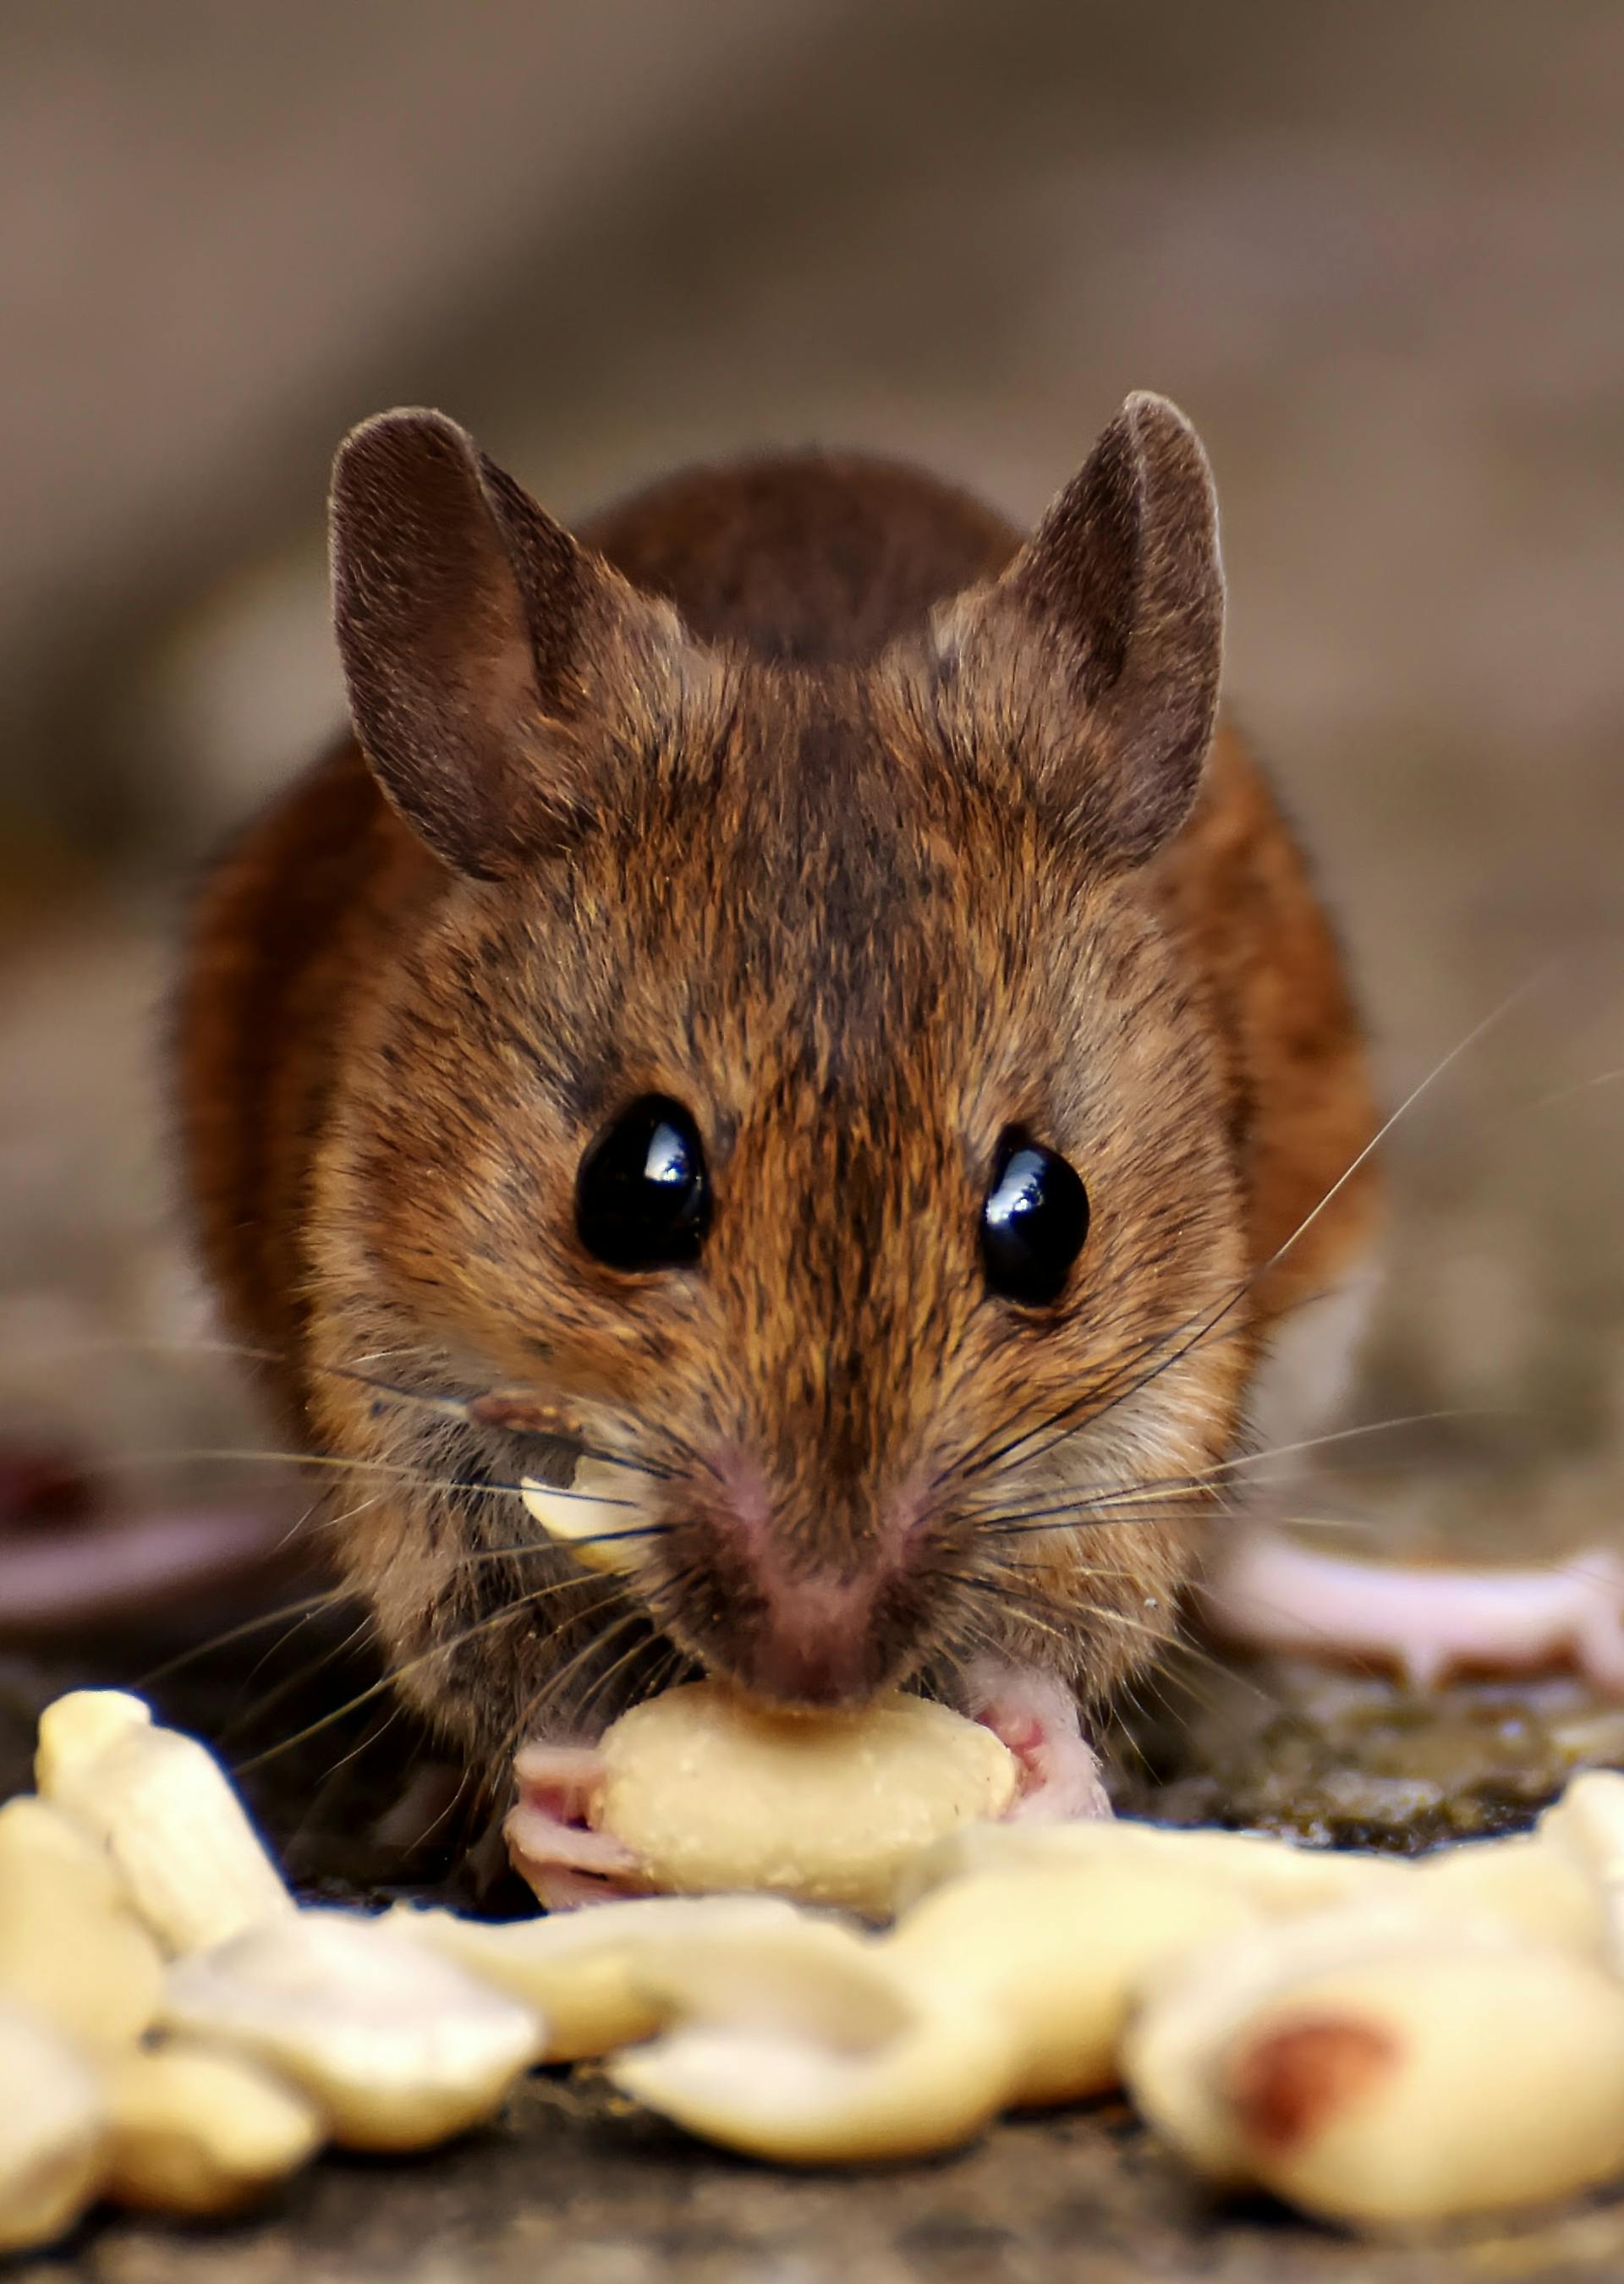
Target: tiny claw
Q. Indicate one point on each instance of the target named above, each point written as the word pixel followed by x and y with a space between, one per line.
pixel 1036 1716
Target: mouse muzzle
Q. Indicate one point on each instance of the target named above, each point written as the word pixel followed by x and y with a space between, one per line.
pixel 797 1611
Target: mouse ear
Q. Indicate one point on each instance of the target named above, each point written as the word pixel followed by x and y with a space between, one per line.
pixel 482 644
pixel 1099 649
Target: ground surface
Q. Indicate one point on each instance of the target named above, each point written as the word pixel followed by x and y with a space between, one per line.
pixel 1376 252
pixel 575 2187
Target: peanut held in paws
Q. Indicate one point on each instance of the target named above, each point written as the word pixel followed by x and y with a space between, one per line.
pixel 705 1790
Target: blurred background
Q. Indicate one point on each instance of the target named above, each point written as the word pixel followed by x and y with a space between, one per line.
pixel 1375 252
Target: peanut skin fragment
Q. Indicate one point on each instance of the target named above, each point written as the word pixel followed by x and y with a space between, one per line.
pixel 1428 2086
pixel 1289 2082
pixel 1192 2011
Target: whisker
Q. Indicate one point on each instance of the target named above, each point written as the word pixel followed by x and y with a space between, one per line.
pixel 439 1404
pixel 508 1611
pixel 250 1626
pixel 1203 1330
pixel 331 1462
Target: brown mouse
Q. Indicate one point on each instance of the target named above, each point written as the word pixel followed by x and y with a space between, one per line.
pixel 789 994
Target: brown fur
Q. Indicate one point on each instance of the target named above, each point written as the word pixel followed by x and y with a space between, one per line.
pixel 866 837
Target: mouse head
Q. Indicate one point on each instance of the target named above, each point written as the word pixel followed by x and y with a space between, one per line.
pixel 789 1091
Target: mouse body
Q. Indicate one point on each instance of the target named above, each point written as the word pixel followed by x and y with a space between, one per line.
pixel 794 994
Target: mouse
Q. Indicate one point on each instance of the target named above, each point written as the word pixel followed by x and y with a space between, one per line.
pixel 790 997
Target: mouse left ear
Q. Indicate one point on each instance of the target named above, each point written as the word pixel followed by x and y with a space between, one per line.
pixel 493 665
pixel 1093 663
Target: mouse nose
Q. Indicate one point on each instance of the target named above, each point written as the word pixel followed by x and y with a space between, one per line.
pixel 811 1643
pixel 800 1606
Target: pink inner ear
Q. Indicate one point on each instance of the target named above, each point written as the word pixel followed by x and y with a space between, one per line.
pixel 1105 637
pixel 453 595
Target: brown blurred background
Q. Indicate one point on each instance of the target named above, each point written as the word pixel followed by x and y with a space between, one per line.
pixel 1373 250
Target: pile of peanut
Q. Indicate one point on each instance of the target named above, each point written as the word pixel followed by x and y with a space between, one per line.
pixel 1379 2042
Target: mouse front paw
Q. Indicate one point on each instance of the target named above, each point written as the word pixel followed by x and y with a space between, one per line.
pixel 1036 1716
pixel 550 1841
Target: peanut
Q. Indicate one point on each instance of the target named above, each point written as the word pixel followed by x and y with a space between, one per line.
pixel 198 2131
pixel 710 1792
pixel 397 2047
pixel 196 1869
pixel 802 2043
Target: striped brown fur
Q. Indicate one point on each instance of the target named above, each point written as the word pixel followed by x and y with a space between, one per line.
pixel 867 834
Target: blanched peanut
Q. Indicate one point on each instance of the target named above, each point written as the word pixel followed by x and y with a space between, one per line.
pixel 1587 1825
pixel 1424 2086
pixel 195 1868
pixel 199 2131
pixel 1057 1955
pixel 1174 2050
pixel 397 2047
pixel 800 2043
pixel 1280 1878
pixel 36 1831
pixel 68 1947
pixel 578 1969
pixel 53 2132
pixel 1526 1880
pixel 599 1518
pixel 709 1792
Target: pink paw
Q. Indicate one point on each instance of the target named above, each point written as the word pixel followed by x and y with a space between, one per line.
pixel 1036 1716
pixel 549 1838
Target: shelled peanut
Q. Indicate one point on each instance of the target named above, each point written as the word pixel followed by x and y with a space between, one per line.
pixel 1377 2042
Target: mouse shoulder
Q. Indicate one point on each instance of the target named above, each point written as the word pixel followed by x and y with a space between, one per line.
pixel 1237 891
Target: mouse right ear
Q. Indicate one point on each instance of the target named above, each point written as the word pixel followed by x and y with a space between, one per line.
pixel 1094 661
pixel 482 644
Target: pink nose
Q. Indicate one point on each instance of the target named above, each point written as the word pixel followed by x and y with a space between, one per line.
pixel 811 1643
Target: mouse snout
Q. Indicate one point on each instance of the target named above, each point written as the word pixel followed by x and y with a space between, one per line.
pixel 809 1641
pixel 790 1621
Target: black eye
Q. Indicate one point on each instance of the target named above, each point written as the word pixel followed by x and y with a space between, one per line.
pixel 1033 1224
pixel 641 1196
